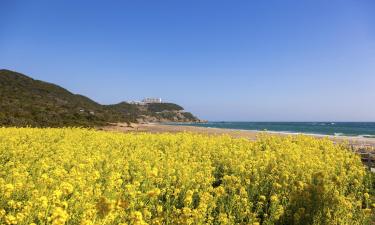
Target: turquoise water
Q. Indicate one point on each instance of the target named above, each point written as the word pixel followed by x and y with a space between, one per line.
pixel 361 129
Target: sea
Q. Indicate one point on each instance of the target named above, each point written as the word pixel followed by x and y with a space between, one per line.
pixel 352 129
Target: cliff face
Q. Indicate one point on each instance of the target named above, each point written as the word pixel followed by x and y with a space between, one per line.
pixel 28 102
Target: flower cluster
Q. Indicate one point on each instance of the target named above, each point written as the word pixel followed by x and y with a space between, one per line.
pixel 80 176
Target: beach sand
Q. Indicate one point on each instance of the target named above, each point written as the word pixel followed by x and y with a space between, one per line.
pixel 358 142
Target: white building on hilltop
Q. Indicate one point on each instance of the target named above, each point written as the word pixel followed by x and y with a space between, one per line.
pixel 151 100
pixel 136 103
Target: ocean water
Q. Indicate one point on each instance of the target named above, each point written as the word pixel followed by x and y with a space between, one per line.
pixel 360 129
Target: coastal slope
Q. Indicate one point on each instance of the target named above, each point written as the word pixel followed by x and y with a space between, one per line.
pixel 25 101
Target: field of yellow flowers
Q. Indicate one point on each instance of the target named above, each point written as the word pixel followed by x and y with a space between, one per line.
pixel 79 176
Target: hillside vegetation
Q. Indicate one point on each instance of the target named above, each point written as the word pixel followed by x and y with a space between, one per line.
pixel 28 102
pixel 155 112
pixel 78 176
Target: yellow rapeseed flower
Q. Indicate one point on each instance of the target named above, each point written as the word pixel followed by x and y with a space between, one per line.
pixel 83 176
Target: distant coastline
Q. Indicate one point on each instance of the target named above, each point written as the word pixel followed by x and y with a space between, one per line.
pixel 330 129
pixel 237 133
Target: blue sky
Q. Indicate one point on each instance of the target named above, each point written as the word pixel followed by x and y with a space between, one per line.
pixel 287 60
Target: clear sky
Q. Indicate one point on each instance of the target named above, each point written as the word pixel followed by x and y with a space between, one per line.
pixel 302 60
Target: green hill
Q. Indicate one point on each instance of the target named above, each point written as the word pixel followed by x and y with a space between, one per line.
pixel 160 107
pixel 155 112
pixel 28 102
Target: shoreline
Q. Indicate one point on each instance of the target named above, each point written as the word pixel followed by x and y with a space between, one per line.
pixel 358 142
pixel 340 135
pixel 300 133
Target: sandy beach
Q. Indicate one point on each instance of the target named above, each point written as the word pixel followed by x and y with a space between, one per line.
pixel 359 142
